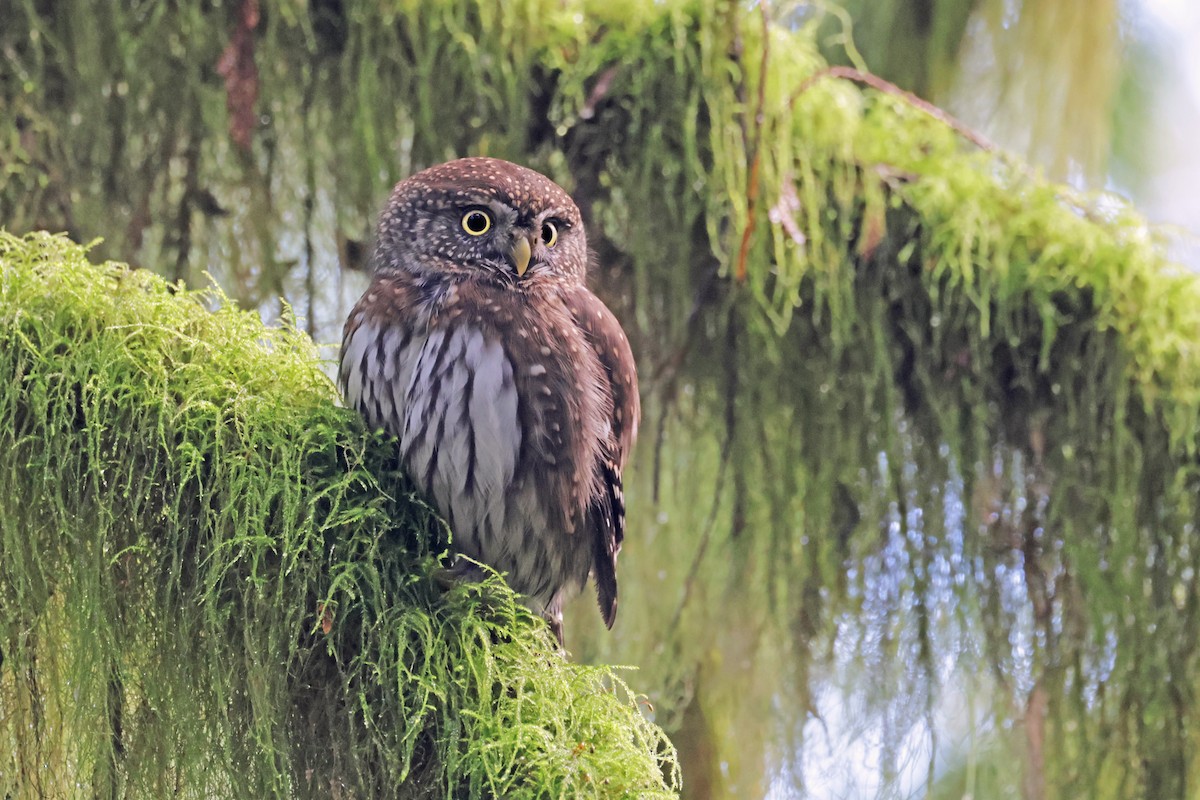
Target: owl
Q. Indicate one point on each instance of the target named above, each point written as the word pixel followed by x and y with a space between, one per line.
pixel 510 387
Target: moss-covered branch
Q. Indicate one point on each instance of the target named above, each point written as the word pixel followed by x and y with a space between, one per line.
pixel 213 583
pixel 908 405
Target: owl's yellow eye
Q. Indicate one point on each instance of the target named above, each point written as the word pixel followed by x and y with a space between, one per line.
pixel 476 222
pixel 549 234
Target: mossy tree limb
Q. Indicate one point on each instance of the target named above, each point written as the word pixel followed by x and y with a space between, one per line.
pixel 213 583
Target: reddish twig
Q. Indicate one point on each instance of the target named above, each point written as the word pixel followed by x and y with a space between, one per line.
pixel 236 65
pixel 752 182
pixel 748 231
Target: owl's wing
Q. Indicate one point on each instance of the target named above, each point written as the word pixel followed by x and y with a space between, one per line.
pixel 606 515
pixel 377 355
pixel 612 347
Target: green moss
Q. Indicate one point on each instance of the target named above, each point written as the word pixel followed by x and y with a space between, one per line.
pixel 214 583
pixel 940 377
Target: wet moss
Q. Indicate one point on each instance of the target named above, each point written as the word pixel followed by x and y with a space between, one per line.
pixel 216 584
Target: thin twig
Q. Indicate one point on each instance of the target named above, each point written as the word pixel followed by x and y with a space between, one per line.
pixel 310 200
pixel 665 380
pixel 887 87
pixel 752 181
pixel 723 471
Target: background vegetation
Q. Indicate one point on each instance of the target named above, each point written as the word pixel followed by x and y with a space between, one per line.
pixel 918 479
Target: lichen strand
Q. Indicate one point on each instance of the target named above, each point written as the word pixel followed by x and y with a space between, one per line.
pixel 213 585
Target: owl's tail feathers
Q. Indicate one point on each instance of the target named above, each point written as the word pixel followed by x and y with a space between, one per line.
pixel 608 528
pixel 606 588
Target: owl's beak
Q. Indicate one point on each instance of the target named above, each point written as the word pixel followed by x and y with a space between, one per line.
pixel 520 254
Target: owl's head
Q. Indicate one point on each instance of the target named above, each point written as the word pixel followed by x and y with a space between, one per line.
pixel 485 218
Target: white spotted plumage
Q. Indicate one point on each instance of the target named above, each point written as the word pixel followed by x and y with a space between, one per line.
pixel 510 387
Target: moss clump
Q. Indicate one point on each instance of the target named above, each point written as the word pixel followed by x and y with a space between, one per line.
pixel 213 583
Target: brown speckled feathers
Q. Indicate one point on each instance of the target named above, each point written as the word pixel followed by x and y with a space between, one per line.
pixel 510 387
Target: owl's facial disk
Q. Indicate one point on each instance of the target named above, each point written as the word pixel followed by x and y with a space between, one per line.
pixel 485 218
pixel 521 241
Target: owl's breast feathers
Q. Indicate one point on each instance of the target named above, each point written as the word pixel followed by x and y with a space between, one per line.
pixel 515 410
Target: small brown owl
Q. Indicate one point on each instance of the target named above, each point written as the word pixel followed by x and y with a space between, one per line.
pixel 510 386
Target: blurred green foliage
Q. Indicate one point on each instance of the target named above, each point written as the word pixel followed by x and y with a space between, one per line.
pixel 920 426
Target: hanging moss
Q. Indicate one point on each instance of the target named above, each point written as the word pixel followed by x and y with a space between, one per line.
pixel 214 584
pixel 920 425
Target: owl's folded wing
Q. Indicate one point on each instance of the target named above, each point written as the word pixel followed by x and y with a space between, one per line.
pixel 606 516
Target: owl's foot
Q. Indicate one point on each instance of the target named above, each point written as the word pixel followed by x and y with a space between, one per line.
pixel 464 570
pixel 556 627
pixel 552 613
pixel 461 571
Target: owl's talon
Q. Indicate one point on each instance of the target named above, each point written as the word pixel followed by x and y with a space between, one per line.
pixel 461 571
pixel 444 578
